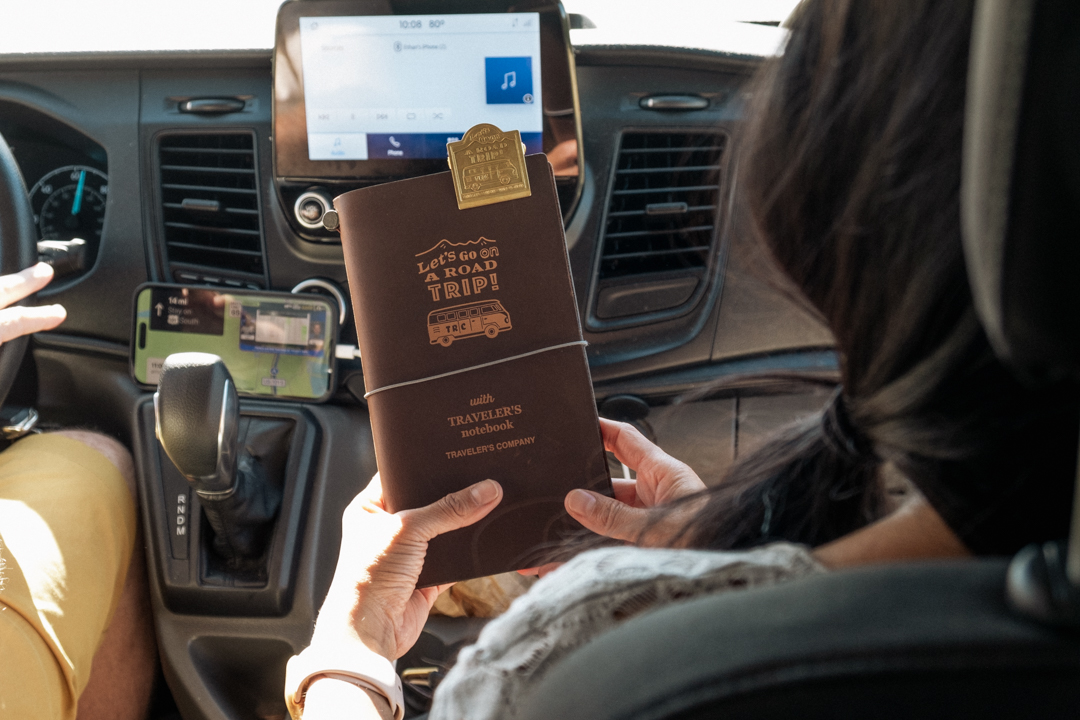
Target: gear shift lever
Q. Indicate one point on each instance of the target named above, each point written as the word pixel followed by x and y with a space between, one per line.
pixel 198 425
pixel 198 415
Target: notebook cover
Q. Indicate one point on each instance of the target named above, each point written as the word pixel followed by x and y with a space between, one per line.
pixel 470 339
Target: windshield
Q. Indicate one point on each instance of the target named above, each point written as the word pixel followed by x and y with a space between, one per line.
pixel 50 26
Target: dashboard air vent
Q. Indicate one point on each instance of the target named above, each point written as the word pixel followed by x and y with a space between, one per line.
pixel 210 207
pixel 660 226
pixel 662 212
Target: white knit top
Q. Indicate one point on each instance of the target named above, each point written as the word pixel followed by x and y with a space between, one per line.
pixel 586 597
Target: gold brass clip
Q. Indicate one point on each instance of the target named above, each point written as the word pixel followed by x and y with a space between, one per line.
pixel 488 166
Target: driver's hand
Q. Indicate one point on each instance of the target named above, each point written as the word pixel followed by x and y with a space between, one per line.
pixel 18 321
pixel 373 597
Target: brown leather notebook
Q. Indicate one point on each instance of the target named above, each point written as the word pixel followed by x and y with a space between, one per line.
pixel 474 363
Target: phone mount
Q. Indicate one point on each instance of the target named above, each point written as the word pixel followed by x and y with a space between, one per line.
pixel 197 422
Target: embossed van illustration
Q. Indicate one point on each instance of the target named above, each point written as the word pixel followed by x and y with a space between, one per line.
pixel 483 317
pixel 489 174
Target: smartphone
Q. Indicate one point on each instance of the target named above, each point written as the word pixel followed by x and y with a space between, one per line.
pixel 275 344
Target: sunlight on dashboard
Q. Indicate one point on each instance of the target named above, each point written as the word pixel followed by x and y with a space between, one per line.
pixel 62 26
pixel 131 25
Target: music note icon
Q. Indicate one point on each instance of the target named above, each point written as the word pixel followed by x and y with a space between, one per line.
pixel 503 73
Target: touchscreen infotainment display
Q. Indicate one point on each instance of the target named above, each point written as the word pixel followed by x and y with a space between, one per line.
pixel 402 86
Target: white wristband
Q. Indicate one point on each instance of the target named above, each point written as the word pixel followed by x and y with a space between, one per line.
pixel 369 668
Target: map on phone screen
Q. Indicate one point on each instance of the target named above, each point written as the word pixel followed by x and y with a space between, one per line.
pixel 272 344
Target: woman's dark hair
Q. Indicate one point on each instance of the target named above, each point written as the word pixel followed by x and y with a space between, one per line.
pixel 849 169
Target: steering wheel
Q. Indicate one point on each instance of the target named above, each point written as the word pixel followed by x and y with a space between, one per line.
pixel 18 250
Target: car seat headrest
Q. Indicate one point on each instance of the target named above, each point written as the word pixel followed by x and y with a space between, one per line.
pixel 1021 182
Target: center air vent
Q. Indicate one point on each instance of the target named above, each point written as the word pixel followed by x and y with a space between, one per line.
pixel 661 222
pixel 210 208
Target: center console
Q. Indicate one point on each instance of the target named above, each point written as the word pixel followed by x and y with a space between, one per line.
pixel 364 92
pixel 225 630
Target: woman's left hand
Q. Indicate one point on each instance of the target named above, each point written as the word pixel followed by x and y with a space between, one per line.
pixel 373 597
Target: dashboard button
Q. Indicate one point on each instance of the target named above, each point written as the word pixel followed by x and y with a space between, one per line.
pixel 310 208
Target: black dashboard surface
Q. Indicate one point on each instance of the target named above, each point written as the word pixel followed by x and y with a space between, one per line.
pixel 123 106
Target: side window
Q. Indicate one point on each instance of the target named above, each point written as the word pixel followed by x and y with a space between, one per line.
pixel 474 312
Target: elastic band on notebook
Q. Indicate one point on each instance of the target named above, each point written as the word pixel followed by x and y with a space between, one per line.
pixel 473 367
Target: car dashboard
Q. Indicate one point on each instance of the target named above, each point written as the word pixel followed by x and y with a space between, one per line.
pixel 690 336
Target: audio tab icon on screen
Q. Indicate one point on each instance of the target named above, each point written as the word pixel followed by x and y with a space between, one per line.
pixel 509 80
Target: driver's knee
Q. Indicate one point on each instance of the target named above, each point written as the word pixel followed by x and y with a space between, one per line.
pixel 112 449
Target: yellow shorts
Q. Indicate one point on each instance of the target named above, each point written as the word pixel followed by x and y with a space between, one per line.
pixel 67 529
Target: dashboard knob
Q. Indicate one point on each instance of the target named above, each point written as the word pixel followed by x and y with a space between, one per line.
pixel 311 206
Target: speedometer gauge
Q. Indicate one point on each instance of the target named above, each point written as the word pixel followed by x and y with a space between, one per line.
pixel 69 203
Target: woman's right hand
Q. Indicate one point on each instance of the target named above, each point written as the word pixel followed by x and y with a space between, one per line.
pixel 660 479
